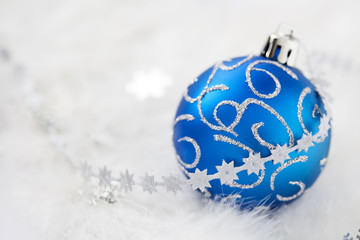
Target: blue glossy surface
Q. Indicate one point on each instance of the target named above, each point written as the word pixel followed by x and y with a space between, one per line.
pixel 273 131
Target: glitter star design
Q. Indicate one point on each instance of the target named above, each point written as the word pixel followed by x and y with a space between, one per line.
pixel 148 183
pixel 126 181
pixel 199 180
pixel 86 171
pixel 324 126
pixel 305 142
pixel 172 184
pixel 227 172
pixel 253 164
pixel 280 154
pixel 104 176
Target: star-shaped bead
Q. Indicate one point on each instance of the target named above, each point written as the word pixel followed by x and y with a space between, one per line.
pixel 305 142
pixel 126 181
pixel 104 176
pixel 199 180
pixel 148 183
pixel 280 154
pixel 172 184
pixel 324 126
pixel 227 172
pixel 253 164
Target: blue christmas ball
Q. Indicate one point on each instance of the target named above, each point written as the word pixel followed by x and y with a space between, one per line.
pixel 253 130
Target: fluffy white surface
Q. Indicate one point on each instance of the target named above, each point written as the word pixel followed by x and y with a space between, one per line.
pixel 88 57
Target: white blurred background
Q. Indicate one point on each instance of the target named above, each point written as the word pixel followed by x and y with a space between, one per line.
pixel 112 74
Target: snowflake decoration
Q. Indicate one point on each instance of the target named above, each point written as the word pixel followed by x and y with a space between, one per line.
pixel 172 184
pixel 227 172
pixel 105 177
pixel 199 180
pixel 148 183
pixel 305 142
pixel 324 127
pixel 126 181
pixel 280 154
pixel 253 164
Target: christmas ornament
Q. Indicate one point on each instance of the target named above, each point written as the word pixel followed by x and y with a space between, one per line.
pixel 253 128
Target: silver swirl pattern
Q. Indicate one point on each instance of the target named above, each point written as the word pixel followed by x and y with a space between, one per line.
pixel 296 195
pixel 197 153
pixel 316 110
pixel 254 128
pixel 303 94
pixel 240 109
pixel 299 183
pixel 248 186
pixel 277 83
pixel 222 138
pixel 222 66
pixel 187 117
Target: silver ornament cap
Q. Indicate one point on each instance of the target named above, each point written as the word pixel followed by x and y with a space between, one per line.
pixel 282 46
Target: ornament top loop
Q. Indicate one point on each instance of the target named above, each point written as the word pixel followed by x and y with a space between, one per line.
pixel 282 46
